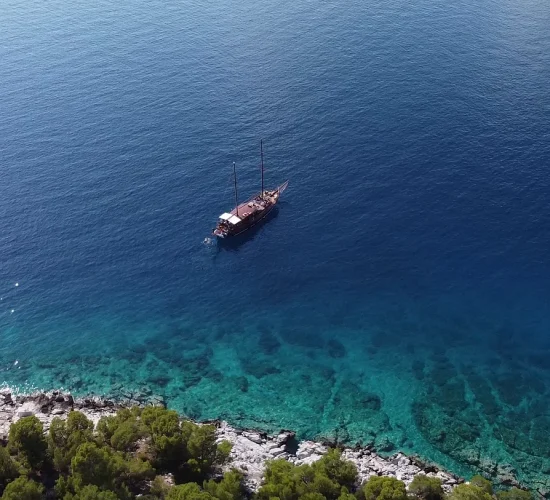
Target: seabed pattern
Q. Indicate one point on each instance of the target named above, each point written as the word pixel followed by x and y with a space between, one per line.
pixel 385 378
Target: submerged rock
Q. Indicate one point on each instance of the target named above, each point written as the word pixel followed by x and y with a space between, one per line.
pixel 268 343
pixel 258 368
pixel 336 349
pixel 385 445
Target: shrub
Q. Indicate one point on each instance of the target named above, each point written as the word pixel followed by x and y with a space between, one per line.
pixel 26 439
pixel 166 434
pixel 189 491
pixel 229 488
pixel 279 481
pixel 312 496
pixel 160 420
pixel 346 496
pixel 159 487
pixel 65 437
pixel 203 451
pixel 469 492
pixel 482 483
pixel 288 482
pixel 321 484
pixel 8 469
pixel 426 488
pixel 23 489
pixel 57 444
pixel 91 492
pixel 384 488
pixel 105 428
pixel 223 452
pixel 514 494
pixel 331 465
pixel 78 422
pixel 136 471
pixel 122 430
pixel 96 466
pixel 126 435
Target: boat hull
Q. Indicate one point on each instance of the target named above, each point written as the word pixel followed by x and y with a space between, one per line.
pixel 248 214
pixel 245 225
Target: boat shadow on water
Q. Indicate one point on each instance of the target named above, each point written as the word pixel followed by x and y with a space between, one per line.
pixel 233 243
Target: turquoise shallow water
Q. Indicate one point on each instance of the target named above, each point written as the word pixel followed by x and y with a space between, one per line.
pixel 399 296
pixel 393 372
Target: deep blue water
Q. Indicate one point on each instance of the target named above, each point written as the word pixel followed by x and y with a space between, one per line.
pixel 401 293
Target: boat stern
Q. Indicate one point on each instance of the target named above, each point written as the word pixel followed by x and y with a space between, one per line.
pixel 227 224
pixel 219 232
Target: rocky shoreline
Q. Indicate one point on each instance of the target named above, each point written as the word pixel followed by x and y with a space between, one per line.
pixel 251 449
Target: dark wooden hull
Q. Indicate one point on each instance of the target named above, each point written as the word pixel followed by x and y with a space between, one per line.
pixel 251 221
pixel 248 214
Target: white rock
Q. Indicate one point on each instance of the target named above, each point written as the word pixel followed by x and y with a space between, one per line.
pixel 402 460
pixel 272 446
pixel 308 449
pixel 253 436
pixel 276 452
pixel 27 409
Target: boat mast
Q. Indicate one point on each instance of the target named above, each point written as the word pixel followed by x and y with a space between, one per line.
pixel 236 197
pixel 262 156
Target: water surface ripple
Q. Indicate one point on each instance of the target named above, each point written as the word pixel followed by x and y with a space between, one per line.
pixel 400 295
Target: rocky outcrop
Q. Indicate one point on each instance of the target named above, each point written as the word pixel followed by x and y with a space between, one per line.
pixel 46 406
pixel 251 449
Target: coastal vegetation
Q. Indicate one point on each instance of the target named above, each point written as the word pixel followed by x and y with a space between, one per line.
pixel 149 453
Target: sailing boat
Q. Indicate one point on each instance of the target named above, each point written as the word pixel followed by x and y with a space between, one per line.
pixel 249 213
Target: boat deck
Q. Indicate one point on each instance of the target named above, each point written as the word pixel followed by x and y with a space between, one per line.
pixel 250 207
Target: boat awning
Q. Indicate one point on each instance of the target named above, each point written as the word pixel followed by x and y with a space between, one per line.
pixel 225 216
pixel 234 220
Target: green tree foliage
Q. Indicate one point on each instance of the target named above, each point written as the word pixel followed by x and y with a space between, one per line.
pixel 122 430
pixel 107 469
pixel 91 492
pixel 280 481
pixel 223 452
pixel 187 449
pixel 341 471
pixel 469 492
pixel 77 422
pixel 96 466
pixel 346 496
pixel 23 489
pixel 426 488
pixel 189 491
pixel 514 494
pixel 126 435
pixel 159 487
pixel 8 468
pixel 136 471
pixel 57 444
pixel 166 435
pixel 482 483
pixel 229 488
pixel 312 496
pixel 202 450
pixel 65 437
pixel 328 478
pixel 384 488
pixel 26 439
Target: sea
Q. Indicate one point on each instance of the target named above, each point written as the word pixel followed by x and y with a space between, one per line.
pixel 399 296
